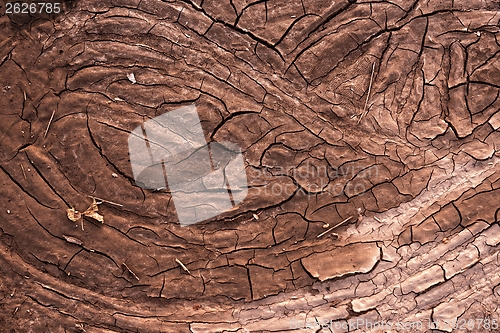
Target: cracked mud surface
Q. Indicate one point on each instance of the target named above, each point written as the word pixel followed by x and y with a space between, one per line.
pixel 417 169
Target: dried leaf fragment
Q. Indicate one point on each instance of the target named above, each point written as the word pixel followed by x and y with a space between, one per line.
pixel 73 214
pixel 95 216
pixel 92 212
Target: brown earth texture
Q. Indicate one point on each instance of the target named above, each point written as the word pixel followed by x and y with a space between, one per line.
pixel 369 133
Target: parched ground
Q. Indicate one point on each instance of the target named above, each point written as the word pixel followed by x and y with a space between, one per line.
pixel 386 112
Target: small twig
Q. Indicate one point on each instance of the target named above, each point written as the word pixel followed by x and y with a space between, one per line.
pixel 48 125
pixel 182 265
pixel 24 92
pixel 18 307
pixel 106 201
pixel 22 168
pixel 130 271
pixel 335 226
pixel 365 110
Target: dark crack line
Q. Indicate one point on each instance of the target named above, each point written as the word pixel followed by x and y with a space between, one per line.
pixel 235 28
pixel 22 188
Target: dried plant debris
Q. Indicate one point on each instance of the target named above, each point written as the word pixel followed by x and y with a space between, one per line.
pixel 131 78
pixel 335 226
pixel 106 201
pixel 365 110
pixel 183 266
pixel 50 122
pixel 73 240
pixel 92 212
pixel 73 214
pixel 124 265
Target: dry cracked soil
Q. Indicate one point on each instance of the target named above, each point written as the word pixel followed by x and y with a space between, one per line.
pixel 383 115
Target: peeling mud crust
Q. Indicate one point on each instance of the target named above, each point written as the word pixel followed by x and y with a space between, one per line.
pixel 385 112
